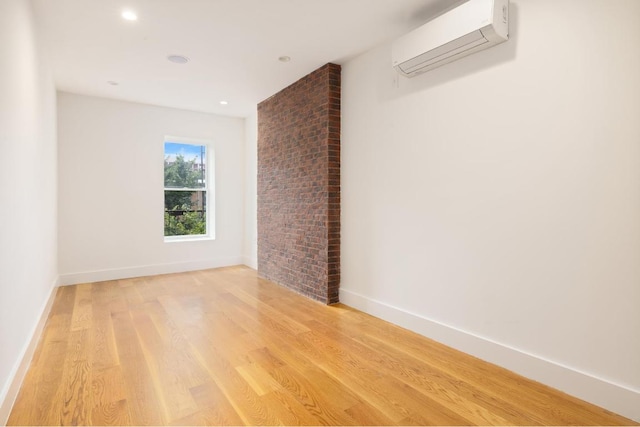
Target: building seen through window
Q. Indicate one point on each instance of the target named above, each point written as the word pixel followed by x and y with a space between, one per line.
pixel 185 189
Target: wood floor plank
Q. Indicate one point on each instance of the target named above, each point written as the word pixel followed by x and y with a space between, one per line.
pixel 362 377
pixel 538 405
pixel 72 403
pixel 324 410
pixel 447 394
pixel 427 410
pixel 367 415
pixel 225 347
pixel 109 398
pixel 144 405
pixel 302 382
pixel 271 323
pixel 63 303
pixel 290 323
pixel 82 308
pixel 205 417
pixel 290 411
pixel 44 379
pixel 215 407
pixel 424 375
pixel 244 400
pixel 259 380
pixel 169 385
pixel 177 358
pixel 111 414
pixel 104 353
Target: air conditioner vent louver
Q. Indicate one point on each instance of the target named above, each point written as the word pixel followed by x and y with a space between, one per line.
pixel 471 27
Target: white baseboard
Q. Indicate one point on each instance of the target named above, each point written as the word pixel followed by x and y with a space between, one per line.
pixel 611 396
pixel 146 270
pixel 10 391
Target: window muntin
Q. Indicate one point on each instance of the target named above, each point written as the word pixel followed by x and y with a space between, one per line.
pixel 186 190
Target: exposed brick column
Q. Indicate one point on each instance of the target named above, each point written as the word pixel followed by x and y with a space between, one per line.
pixel 299 185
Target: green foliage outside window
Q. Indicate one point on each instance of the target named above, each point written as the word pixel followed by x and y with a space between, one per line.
pixel 189 223
pixel 184 196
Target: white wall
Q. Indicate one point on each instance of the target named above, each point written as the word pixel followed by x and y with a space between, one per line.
pixel 250 242
pixel 28 260
pixel 494 203
pixel 111 189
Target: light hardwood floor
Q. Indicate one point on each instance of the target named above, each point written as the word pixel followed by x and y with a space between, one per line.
pixel 225 347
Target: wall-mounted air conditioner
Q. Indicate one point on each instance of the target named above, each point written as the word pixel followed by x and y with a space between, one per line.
pixel 470 27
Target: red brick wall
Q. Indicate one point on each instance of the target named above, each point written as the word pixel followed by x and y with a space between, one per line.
pixel 299 186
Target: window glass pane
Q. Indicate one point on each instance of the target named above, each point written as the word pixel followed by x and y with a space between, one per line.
pixel 185 165
pixel 185 213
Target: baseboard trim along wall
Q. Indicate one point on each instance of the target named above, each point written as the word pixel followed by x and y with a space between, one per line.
pixel 146 270
pixel 9 394
pixel 608 395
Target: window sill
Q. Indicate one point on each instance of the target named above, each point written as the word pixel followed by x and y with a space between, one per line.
pixel 177 239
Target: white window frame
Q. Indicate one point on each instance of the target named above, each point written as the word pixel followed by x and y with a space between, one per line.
pixel 209 189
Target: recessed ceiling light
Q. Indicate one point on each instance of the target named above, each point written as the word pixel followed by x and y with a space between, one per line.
pixel 129 15
pixel 113 83
pixel 178 59
pixel 224 103
pixel 284 58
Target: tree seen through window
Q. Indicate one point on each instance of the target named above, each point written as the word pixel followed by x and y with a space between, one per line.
pixel 185 189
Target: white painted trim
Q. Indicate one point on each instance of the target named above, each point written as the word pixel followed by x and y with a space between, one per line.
pixel 10 391
pixel 146 270
pixel 188 238
pixel 614 397
pixel 210 185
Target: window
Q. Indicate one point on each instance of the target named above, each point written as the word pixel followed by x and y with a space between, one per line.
pixel 186 190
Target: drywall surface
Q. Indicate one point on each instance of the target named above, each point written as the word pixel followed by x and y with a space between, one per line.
pixel 28 260
pixel 111 189
pixel 499 196
pixel 250 241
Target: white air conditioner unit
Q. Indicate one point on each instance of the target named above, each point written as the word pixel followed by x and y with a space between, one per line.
pixel 470 27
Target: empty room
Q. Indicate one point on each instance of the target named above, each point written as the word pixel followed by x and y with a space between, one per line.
pixel 320 212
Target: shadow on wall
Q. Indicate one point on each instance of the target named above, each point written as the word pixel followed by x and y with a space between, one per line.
pixel 433 10
pixel 392 85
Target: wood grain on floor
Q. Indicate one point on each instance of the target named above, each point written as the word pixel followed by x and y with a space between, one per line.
pixel 223 347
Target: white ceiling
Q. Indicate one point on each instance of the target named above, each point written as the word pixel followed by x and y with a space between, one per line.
pixel 233 45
